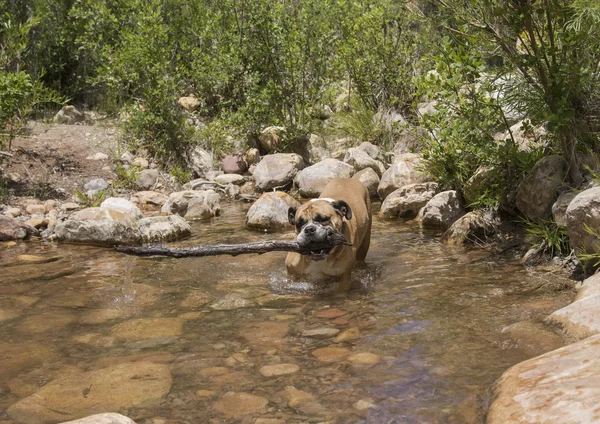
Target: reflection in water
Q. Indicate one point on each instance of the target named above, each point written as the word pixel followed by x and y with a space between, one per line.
pixel 432 316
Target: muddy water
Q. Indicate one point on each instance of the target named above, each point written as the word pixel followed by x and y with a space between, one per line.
pixel 432 316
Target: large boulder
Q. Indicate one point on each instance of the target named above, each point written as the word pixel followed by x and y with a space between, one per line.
pixel 124 206
pixel 559 208
pixel 537 192
pixel 131 385
pixel 404 171
pixel 583 220
pixel 476 186
pixel 312 180
pixel 12 229
pixel 194 204
pixel 407 201
pixel 234 164
pixel 270 211
pixel 581 319
pixel 69 115
pixel 360 159
pixel 562 386
pixel 443 210
pixel 370 180
pixel 474 227
pixel 269 138
pixel 277 170
pixel 100 226
pixel 200 161
pixel 164 228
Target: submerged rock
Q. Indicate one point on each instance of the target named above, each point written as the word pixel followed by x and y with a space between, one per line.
pixel 270 211
pixel 146 328
pixel 558 387
pixel 278 369
pixel 237 405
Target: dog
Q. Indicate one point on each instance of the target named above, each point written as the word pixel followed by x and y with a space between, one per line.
pixel 345 207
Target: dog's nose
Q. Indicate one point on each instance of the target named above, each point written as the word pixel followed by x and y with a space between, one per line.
pixel 310 229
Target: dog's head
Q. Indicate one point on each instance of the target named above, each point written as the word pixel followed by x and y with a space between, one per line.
pixel 316 220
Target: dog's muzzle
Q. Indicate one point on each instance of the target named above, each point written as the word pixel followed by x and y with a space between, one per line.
pixel 315 234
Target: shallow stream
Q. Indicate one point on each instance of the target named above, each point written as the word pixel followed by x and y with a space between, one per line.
pixel 432 315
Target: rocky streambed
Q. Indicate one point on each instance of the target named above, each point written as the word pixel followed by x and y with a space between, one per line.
pixel 424 334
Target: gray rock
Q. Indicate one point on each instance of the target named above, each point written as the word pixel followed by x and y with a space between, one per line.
pixel 443 209
pixel 200 161
pixel 164 228
pixel 312 180
pixel 372 150
pixel 537 192
pixel 407 201
pixel 474 227
pixel 69 115
pixel 195 204
pixel 234 164
pixel 475 186
pixel 270 211
pixel 584 212
pixel 147 179
pixel 370 180
pixel 360 159
pixel 404 171
pixel 252 156
pixel 124 206
pixel 94 186
pixel 106 418
pixel 277 170
pixel 317 148
pixel 559 208
pixel 151 198
pixel 230 179
pixel 99 226
pixel 269 138
pixel 526 136
pixel 12 229
pixel 558 387
pixel 13 212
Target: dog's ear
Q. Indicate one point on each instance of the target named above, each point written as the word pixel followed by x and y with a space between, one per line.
pixel 292 215
pixel 342 208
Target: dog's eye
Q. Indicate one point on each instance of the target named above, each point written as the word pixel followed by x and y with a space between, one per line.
pixel 300 223
pixel 320 218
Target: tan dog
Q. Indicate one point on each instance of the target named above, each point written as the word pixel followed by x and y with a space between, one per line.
pixel 345 207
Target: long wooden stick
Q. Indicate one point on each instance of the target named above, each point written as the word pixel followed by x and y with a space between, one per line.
pixel 232 249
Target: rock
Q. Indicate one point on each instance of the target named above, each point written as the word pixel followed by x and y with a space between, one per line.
pixel 277 170
pixel 153 198
pixel 479 182
pixel 200 161
pixel 206 393
pixel 269 138
pixel 364 358
pixel 252 156
pixel 12 229
pixel 146 328
pixel 278 369
pixel 352 333
pixel 580 319
pixel 582 212
pixel 230 179
pixel 360 159
pixel 97 156
pixel 311 181
pixel 195 300
pixel 372 150
pixel 370 180
pixel 35 208
pixel 323 332
pixel 69 115
pixel 94 186
pixel 443 210
pixel 37 222
pixel 13 212
pixel 43 323
pixel 132 385
pixel 124 206
pixel 238 405
pixel 232 191
pixel 296 398
pixel 330 313
pixel 537 192
pixel 533 338
pixel 404 171
pixel 231 302
pixel 106 418
pixel 141 163
pixel 331 354
pixel 270 211
pixel 559 208
pixel 16 357
pixel 147 179
pixel 234 164
pixel 164 228
pixel 526 136
pixel 407 201
pixel 195 204
pixel 407 140
pixel 213 371
pixel 363 405
pixel 99 226
pixel 69 207
pixel 473 227
pixel 189 103
pixel 427 108
pixel 558 387
pixel 265 336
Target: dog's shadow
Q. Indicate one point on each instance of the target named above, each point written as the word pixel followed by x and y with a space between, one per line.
pixel 363 279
